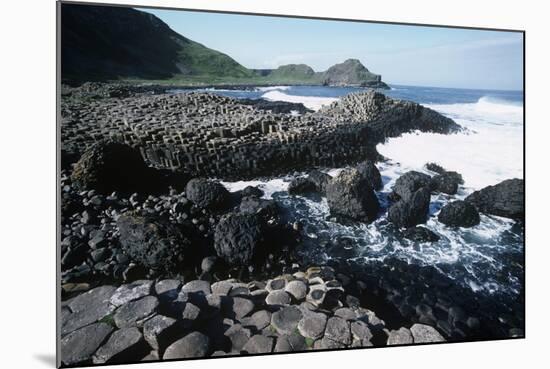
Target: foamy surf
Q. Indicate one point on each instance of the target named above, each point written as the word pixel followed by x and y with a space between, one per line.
pixel 310 102
pixel 484 258
pixel 273 88
pixel 488 152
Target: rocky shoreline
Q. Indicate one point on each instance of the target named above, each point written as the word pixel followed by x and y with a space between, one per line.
pixel 167 319
pixel 160 264
pixel 203 134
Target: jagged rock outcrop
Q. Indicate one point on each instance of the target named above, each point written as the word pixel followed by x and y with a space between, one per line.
pixel 505 199
pixel 351 196
pixel 411 210
pixel 409 183
pixel 459 214
pixel 387 117
pixel 368 170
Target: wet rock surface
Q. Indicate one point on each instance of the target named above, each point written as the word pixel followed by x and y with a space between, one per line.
pixel 350 195
pixel 411 209
pixel 505 199
pixel 459 214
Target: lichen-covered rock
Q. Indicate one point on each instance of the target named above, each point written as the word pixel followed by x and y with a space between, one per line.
pixel 350 195
pixel 238 238
pixel 154 242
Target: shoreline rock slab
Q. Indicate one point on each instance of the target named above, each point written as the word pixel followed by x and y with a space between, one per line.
pixel 124 345
pixel 505 199
pixel 193 345
pixel 286 320
pixel 402 336
pixel 79 346
pixel 423 333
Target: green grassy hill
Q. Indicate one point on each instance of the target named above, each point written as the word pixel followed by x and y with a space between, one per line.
pixel 106 43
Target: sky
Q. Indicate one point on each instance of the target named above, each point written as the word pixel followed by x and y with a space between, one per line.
pixel 402 54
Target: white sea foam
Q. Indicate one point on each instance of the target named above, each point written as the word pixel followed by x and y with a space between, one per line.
pixel 273 88
pixel 310 102
pixel 269 187
pixel 488 152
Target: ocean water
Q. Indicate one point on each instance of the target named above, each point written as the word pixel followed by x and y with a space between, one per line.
pixel 486 259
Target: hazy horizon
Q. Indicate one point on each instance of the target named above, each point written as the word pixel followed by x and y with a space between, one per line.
pixel 402 54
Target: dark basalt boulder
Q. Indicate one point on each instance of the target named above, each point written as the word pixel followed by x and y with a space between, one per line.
pixel 411 210
pixel 505 199
pixel 252 191
pixel 154 242
pixel 447 182
pixel 371 172
pixel 110 166
pixel 238 238
pixel 301 185
pixel 350 195
pixel 268 210
pixel 434 167
pixel 459 214
pixel 408 183
pixel 207 194
pixel 320 179
pixel 420 234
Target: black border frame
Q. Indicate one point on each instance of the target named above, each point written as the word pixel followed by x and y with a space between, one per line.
pixel 58 5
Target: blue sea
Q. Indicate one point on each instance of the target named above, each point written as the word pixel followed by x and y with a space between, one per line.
pixel 486 259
